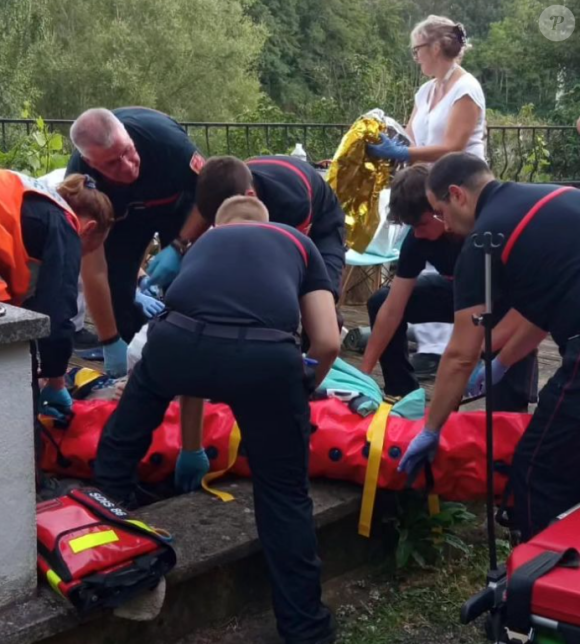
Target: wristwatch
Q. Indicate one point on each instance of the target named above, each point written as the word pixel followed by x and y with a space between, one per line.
pixel 180 245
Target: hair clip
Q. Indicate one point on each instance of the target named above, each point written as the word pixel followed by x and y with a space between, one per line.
pixel 90 182
pixel 460 32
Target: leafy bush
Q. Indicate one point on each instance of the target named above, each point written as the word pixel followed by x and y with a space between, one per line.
pixel 424 539
pixel 37 153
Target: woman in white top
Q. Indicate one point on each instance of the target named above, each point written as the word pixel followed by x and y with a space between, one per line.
pixel 448 116
pixel 449 112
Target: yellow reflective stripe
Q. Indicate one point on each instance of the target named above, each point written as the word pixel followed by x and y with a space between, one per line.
pixel 376 435
pixel 88 541
pixel 235 438
pixel 141 525
pixel 54 580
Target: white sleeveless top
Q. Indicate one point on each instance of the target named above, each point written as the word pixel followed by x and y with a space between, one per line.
pixel 429 126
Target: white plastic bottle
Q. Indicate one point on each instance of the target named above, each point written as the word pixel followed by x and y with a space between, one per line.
pixel 299 152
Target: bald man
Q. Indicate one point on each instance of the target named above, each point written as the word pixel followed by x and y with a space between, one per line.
pixel 146 164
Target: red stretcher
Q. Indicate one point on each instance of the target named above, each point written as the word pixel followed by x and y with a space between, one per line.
pixel 341 446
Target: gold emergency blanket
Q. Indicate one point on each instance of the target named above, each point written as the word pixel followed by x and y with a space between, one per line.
pixel 358 178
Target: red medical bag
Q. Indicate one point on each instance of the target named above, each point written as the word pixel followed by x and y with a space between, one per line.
pixel 93 553
pixel 543 589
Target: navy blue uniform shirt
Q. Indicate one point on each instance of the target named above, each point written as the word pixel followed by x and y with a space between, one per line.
pixel 541 278
pixel 441 253
pixel 51 240
pixel 295 194
pixel 167 179
pixel 248 274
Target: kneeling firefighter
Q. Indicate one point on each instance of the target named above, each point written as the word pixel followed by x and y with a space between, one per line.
pixel 43 233
pixel 235 340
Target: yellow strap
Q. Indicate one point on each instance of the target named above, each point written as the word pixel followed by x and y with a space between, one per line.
pixel 88 541
pixel 54 580
pixel 376 435
pixel 235 438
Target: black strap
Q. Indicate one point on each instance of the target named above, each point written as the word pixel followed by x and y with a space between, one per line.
pixel 521 585
pixel 229 332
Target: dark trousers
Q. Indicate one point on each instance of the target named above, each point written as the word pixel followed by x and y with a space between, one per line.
pixel 265 385
pixel 125 249
pixel 546 466
pixel 432 301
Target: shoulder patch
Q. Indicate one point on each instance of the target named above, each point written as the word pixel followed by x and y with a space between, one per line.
pixel 197 162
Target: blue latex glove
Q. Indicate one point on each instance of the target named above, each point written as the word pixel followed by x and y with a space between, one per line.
pixel 116 358
pixel 422 448
pixel 476 384
pixel 150 305
pixel 164 267
pixel 190 469
pixel 389 149
pixel 55 402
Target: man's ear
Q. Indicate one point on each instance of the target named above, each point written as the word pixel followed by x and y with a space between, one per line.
pixel 250 192
pixel 88 227
pixel 458 194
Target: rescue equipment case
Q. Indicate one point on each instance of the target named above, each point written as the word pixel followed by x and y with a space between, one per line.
pixel 94 554
pixel 543 587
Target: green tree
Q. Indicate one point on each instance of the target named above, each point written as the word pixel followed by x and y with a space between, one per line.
pixel 192 58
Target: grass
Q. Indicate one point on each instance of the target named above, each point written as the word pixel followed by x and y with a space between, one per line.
pixel 419 606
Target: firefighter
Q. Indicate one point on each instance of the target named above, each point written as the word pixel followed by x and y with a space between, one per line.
pixel 537 270
pixel 147 165
pixel 294 193
pixel 235 340
pixel 416 298
pixel 43 233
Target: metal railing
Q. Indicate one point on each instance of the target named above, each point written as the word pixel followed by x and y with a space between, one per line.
pixel 539 153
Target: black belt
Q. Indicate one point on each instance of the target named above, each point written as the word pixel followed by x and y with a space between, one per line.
pixel 228 332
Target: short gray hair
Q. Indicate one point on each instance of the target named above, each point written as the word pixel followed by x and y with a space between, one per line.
pixel 95 128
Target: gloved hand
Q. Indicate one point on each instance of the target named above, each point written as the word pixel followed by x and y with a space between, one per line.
pixel 151 306
pixel 164 267
pixel 191 467
pixel 476 384
pixel 389 149
pixel 423 447
pixel 55 402
pixel 116 358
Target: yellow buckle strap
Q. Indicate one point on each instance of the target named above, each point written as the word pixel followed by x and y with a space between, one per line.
pixel 376 435
pixel 235 439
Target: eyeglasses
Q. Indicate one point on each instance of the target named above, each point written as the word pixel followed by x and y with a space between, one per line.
pixel 416 48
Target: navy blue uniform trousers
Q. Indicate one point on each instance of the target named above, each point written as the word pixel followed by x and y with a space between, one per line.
pixel 546 467
pixel 265 385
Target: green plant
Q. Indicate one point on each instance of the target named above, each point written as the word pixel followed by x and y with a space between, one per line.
pixel 424 539
pixel 36 153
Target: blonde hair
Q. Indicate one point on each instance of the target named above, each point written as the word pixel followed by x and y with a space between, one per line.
pixel 81 194
pixel 242 208
pixel 450 35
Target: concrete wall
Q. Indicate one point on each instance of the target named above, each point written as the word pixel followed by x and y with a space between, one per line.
pixel 17 487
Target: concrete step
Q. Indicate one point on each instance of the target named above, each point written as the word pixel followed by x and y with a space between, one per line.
pixel 220 571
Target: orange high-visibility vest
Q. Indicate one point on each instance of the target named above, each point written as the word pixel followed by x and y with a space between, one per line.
pixel 15 275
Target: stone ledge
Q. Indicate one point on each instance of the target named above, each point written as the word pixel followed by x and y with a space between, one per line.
pixel 208 536
pixel 21 325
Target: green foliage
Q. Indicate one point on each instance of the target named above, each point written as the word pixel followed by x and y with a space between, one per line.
pixel 37 153
pixel 423 539
pixel 194 59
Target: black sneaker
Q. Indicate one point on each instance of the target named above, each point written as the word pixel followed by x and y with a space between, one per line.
pixel 85 339
pixel 425 365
